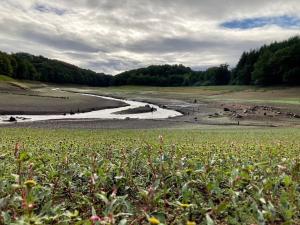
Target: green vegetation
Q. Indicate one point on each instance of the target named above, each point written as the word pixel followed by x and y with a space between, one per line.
pixel 5 78
pixel 29 67
pixel 227 93
pixel 150 177
pixel 176 75
pixel 275 64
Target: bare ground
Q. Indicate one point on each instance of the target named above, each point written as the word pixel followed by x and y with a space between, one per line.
pixel 142 109
pixel 17 101
pixel 230 109
pixel 195 115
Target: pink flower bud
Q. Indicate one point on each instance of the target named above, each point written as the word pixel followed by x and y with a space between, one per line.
pixel 95 218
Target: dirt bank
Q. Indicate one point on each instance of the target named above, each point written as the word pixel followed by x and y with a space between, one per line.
pixel 142 109
pixel 35 103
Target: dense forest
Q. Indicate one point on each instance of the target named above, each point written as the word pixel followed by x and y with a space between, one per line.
pixel 274 64
pixel 174 75
pixel 28 67
pixel 278 63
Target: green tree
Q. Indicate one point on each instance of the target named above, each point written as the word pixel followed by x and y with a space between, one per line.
pixel 261 74
pixel 241 75
pixel 5 65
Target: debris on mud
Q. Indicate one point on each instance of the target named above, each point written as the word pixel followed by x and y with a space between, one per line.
pixel 239 111
pixel 12 119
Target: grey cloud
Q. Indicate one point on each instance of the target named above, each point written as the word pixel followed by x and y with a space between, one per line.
pixel 58 41
pixel 115 35
pixel 48 9
pixel 81 55
pixel 186 44
pixel 40 35
pixel 113 66
pixel 184 8
pixel 165 45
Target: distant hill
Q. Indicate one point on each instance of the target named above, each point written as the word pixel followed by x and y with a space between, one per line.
pixel 158 75
pixel 274 64
pixel 174 75
pixel 29 67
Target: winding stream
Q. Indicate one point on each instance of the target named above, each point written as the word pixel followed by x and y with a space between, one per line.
pixel 159 113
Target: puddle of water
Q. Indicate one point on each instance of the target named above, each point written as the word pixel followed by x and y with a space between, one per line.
pixel 160 113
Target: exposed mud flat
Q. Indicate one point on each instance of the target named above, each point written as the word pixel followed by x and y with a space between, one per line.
pixel 52 103
pixel 142 109
pixel 194 112
pixel 135 109
pixel 195 115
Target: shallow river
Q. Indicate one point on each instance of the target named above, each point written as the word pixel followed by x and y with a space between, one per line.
pixel 160 113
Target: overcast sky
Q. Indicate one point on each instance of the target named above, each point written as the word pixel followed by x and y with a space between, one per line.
pixel 115 35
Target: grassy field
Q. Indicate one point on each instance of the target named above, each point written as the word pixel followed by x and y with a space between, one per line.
pixel 276 95
pixel 150 176
pixel 282 95
pixel 219 175
pixel 5 78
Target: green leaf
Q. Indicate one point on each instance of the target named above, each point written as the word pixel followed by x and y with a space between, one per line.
pixel 222 207
pixel 261 219
pixel 6 217
pixel 209 220
pixel 123 222
pixel 16 177
pixel 24 156
pixel 94 211
pixel 262 200
pixel 103 198
pixel 3 156
pixel 287 180
pixel 72 214
pixel 3 202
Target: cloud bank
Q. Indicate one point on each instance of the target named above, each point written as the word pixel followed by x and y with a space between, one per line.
pixel 113 36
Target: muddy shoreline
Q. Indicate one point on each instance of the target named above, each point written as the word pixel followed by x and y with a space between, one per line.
pixel 195 115
pixel 64 112
pixel 196 112
pixel 142 109
pixel 52 103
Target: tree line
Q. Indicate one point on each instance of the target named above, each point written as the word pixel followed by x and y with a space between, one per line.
pixel 29 67
pixel 274 64
pixel 174 75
